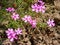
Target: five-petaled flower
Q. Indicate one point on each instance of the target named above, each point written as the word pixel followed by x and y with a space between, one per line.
pixel 15 16
pixel 18 31
pixel 26 18
pixel 11 34
pixel 51 23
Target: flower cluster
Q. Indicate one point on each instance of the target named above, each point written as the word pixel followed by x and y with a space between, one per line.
pixel 9 9
pixel 11 34
pixel 51 23
pixel 14 16
pixel 38 7
pixel 29 20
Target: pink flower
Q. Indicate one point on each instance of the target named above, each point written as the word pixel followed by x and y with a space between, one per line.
pixel 15 16
pixel 51 23
pixel 26 18
pixel 9 9
pixel 38 7
pixel 18 31
pixel 33 23
pixel 11 34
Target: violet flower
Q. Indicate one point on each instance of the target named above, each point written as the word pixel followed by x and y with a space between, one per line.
pixel 29 20
pixel 38 7
pixel 51 23
pixel 18 31
pixel 15 16
pixel 26 18
pixel 9 9
pixel 11 34
pixel 33 23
